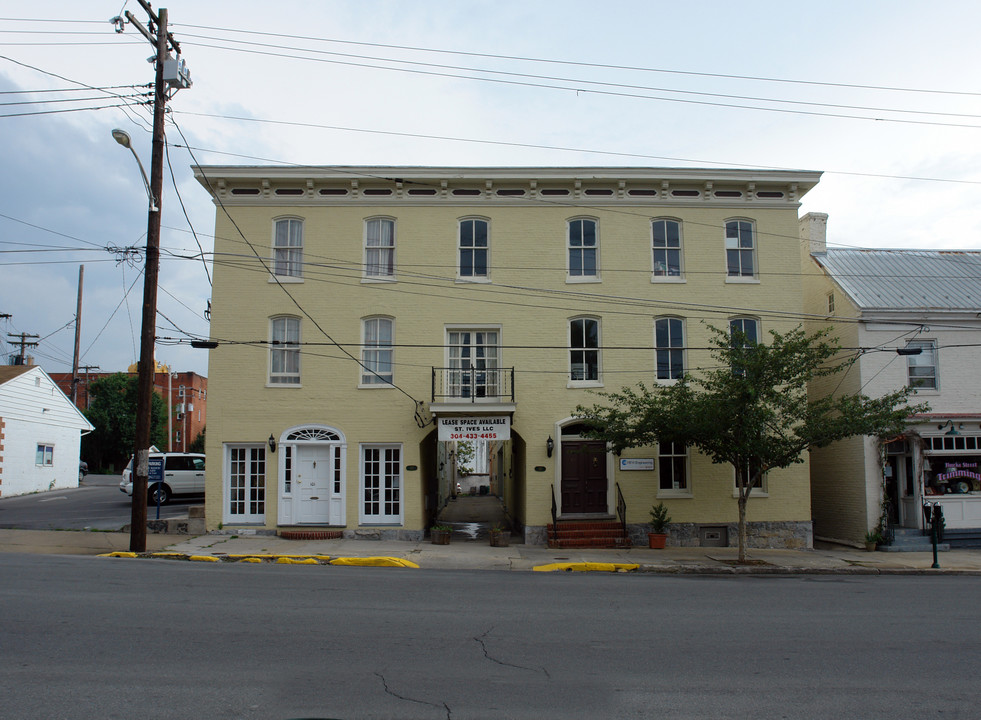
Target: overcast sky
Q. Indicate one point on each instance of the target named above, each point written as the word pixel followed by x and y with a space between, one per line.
pixel 883 97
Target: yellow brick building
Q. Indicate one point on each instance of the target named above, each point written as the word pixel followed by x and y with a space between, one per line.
pixel 380 327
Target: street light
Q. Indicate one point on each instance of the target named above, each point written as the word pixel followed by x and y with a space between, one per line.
pixel 146 367
pixel 122 137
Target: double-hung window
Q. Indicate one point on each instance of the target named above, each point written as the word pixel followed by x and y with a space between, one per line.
pixel 474 363
pixel 922 368
pixel 288 248
pixel 584 354
pixel 669 343
pixel 740 249
pixel 474 244
pixel 284 351
pixel 376 351
pixel 746 473
pixel 583 249
pixel 673 470
pixel 666 244
pixel 746 329
pixel 379 250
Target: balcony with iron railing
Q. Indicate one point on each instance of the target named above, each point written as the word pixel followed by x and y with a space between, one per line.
pixel 490 388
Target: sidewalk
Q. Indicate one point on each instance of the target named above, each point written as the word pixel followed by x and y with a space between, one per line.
pixel 479 555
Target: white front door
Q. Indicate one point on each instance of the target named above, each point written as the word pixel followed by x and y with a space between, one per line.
pixel 312 493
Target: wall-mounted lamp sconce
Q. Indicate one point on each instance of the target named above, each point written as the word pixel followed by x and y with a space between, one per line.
pixel 952 431
pixel 272 443
pixel 549 445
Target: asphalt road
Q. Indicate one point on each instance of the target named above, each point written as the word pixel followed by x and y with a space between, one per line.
pixel 97 504
pixel 119 638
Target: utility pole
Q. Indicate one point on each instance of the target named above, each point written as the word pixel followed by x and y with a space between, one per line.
pixel 22 359
pixel 87 369
pixel 78 335
pixel 177 77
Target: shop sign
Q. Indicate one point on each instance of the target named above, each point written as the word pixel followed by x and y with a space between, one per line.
pixel 474 428
pixel 636 463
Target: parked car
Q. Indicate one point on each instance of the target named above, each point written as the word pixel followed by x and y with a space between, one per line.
pixel 170 474
pixel 83 469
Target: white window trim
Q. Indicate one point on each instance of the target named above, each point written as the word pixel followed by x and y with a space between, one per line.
pixel 245 519
pixel 677 279
pixel 381 521
pixel 472 278
pixel 757 492
pixel 936 367
pixel 285 279
pixel 273 348
pixel 684 348
pixel 575 279
pixel 365 277
pixel 364 347
pixel 46 446
pixel 598 382
pixel 675 492
pixel 753 279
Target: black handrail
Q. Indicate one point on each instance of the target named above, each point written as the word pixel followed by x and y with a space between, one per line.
pixel 555 518
pixel 473 384
pixel 622 510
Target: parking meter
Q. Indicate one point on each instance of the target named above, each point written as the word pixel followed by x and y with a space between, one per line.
pixel 938 521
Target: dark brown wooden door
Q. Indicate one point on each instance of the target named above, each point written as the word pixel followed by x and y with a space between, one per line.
pixel 583 477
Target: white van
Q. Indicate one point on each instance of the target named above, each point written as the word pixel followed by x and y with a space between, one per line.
pixel 170 474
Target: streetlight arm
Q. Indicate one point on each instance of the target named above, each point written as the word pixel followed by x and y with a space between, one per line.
pixel 122 137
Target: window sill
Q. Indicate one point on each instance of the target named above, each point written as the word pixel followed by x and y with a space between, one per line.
pixel 474 280
pixel 676 494
pixel 376 386
pixel 574 279
pixel 283 385
pixel 284 279
pixel 572 384
pixel 379 279
pixel 739 280
pixel 757 493
pixel 676 279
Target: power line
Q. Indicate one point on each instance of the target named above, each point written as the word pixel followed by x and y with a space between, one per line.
pixel 688 73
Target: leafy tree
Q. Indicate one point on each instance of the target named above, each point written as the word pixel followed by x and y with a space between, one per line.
pixel 465 455
pixel 198 444
pixel 113 413
pixel 751 410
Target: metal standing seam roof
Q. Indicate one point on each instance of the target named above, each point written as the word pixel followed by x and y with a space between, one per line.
pixel 907 279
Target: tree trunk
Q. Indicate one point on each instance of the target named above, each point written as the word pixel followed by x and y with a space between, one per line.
pixel 742 524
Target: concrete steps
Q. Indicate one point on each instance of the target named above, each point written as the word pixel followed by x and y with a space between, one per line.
pixel 911 540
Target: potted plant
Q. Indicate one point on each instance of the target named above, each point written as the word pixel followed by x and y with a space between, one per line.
pixel 440 534
pixel 872 539
pixel 657 537
pixel 500 536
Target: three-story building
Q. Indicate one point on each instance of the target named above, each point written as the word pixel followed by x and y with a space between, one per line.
pixel 376 324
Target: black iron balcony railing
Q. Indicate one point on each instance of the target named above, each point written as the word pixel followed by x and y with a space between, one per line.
pixel 473 384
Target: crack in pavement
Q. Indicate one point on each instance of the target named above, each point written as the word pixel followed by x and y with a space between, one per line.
pixel 449 714
pixel 483 646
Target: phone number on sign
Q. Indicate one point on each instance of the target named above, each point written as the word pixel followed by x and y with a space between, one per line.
pixel 473 436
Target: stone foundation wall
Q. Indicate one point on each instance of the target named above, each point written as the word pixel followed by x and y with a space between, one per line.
pixel 765 535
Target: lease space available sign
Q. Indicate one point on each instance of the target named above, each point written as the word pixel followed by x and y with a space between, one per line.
pixel 474 428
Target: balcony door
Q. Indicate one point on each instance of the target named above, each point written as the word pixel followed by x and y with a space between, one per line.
pixel 474 363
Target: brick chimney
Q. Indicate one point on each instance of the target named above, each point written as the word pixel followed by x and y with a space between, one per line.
pixel 814 231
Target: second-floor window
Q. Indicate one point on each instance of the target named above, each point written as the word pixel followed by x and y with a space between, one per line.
pixel 288 248
pixel 669 342
pixel 379 261
pixel 473 247
pixel 666 239
pixel 922 368
pixel 584 350
pixel 376 351
pixel 284 351
pixel 583 247
pixel 740 249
